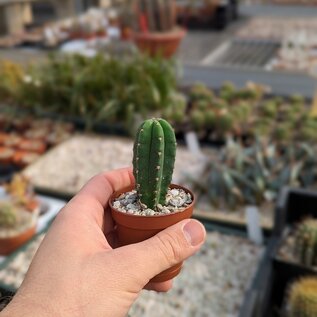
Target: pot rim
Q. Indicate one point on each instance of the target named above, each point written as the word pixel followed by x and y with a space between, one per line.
pixel 174 34
pixel 132 187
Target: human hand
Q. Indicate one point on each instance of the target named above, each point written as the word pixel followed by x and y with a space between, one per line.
pixel 77 270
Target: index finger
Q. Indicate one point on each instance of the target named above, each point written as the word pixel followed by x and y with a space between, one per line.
pixel 93 198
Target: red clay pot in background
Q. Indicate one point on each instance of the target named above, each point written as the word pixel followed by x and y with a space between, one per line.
pixel 10 244
pixel 164 44
pixel 133 229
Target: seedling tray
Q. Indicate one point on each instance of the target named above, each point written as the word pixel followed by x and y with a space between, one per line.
pixel 293 205
pixel 280 277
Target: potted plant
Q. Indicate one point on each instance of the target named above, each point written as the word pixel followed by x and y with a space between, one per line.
pixel 17 226
pixel 154 204
pixel 301 298
pixel 157 32
pixel 19 211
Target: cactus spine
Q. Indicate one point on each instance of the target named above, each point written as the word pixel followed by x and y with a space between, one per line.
pixel 302 298
pixel 153 161
pixel 305 249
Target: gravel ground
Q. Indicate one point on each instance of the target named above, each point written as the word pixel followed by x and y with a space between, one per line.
pixel 69 166
pixel 212 283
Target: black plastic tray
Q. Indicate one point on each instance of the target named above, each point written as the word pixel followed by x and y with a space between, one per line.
pixel 279 278
pixel 293 205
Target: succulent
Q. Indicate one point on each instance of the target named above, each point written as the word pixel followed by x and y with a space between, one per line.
pixel 269 109
pixel 224 122
pixel 176 110
pixel 153 161
pixel 197 119
pixel 305 248
pixel 228 91
pixel 201 92
pixel 302 298
pixel 8 215
pixel 283 132
pixel 210 118
pixel 19 189
pixel 255 174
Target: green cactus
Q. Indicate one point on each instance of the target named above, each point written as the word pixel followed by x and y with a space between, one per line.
pixel 302 298
pixel 197 119
pixel 153 161
pixel 210 118
pixel 283 132
pixel 201 92
pixel 8 215
pixel 176 111
pixel 305 248
pixel 269 109
pixel 224 122
pixel 202 105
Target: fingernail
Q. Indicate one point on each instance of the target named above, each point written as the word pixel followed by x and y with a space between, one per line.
pixel 194 232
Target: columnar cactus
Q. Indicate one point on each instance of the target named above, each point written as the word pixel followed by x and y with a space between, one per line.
pixel 305 249
pixel 302 298
pixel 8 216
pixel 153 161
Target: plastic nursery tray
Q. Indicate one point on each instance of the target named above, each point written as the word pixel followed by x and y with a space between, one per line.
pixel 293 205
pixel 257 297
pixel 278 278
pixel 234 220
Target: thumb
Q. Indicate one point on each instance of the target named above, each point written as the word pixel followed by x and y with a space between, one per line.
pixel 169 247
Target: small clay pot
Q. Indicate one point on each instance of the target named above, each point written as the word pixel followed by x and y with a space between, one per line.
pixel 133 228
pixel 164 43
pixel 10 244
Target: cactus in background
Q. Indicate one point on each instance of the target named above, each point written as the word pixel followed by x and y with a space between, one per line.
pixel 8 215
pixel 305 248
pixel 176 110
pixel 201 92
pixel 156 15
pixel 302 298
pixel 197 119
pixel 153 161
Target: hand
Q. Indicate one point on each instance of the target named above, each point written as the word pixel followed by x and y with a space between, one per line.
pixel 78 272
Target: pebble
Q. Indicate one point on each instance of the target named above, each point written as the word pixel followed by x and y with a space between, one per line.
pixel 212 283
pixel 116 204
pixel 174 192
pixel 176 201
pixel 67 167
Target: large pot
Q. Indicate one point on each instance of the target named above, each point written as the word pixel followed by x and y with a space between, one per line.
pixel 163 44
pixel 133 229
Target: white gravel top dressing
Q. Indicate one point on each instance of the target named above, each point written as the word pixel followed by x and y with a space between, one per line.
pixel 176 201
pixel 212 283
pixel 70 165
pixel 26 221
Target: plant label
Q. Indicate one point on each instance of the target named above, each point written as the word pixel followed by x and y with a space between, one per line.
pixel 255 233
pixel 193 144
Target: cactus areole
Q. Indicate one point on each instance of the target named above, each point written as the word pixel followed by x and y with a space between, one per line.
pixel 153 161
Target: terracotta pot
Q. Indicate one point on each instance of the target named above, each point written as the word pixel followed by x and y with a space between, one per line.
pixel 8 245
pixel 165 43
pixel 133 229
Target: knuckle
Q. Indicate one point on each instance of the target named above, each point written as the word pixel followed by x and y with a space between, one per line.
pixel 171 247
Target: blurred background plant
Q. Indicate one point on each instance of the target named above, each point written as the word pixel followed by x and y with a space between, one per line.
pixel 99 89
pixel 254 175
